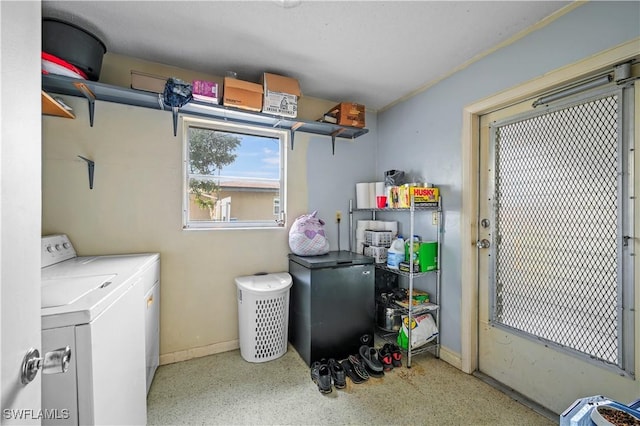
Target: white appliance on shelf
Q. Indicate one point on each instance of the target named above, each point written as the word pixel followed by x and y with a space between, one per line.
pixel 94 304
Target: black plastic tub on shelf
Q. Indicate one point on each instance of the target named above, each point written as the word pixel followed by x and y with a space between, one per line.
pixel 73 44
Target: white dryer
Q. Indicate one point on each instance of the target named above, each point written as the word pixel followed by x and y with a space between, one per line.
pixel 106 309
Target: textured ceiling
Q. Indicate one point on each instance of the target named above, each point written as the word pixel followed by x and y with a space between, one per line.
pixel 370 52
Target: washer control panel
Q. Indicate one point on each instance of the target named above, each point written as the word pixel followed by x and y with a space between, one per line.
pixel 55 249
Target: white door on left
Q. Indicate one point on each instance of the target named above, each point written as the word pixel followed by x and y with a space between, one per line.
pixel 20 206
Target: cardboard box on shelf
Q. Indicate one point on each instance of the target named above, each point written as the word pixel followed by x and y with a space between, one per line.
pixel 206 91
pixel 148 82
pixel 280 95
pixel 348 114
pixel 242 94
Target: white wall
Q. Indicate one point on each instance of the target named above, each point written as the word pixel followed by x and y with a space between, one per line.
pixel 331 178
pixel 423 134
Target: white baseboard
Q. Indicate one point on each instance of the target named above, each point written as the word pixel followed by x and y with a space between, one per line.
pixel 446 354
pixel 451 357
pixel 198 352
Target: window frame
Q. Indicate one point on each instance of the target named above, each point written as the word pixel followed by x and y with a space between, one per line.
pixel 224 126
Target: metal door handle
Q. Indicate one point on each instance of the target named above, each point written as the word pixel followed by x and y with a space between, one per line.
pixel 54 362
pixel 484 243
pixel 57 361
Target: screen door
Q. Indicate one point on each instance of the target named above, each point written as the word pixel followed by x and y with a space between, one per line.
pixel 556 317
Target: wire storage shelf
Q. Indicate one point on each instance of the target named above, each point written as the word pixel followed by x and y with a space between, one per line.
pixel 412 311
pixel 435 206
pixel 384 267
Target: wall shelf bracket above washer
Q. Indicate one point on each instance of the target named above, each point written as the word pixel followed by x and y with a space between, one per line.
pixel 90 167
pixel 91 99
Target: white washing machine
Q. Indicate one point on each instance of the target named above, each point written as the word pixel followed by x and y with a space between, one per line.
pixel 106 309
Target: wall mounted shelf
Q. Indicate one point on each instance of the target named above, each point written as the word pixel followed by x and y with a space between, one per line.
pixel 52 107
pixel 92 91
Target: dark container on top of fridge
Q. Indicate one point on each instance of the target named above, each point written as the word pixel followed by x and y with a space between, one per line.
pixel 331 304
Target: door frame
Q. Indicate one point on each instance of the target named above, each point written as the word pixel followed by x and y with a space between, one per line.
pixel 585 68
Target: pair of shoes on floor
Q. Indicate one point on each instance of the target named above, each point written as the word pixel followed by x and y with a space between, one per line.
pixel 324 373
pixel 390 356
pixel 370 359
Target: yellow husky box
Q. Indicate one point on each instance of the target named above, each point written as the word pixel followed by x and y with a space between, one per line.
pixel 423 197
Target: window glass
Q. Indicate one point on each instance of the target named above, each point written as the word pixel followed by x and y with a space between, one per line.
pixel 234 175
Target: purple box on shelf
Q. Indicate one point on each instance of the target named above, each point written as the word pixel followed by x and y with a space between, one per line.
pixel 206 91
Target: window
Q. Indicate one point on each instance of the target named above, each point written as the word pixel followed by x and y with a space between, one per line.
pixel 234 175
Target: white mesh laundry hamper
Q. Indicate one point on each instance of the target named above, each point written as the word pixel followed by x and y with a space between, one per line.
pixel 263 315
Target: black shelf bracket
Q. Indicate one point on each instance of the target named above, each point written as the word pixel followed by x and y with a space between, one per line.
pixel 90 167
pixel 174 112
pixel 91 99
pixel 292 130
pixel 333 140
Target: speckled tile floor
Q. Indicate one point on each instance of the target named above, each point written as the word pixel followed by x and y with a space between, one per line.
pixel 223 389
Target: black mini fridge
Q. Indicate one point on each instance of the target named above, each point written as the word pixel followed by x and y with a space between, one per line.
pixel 331 304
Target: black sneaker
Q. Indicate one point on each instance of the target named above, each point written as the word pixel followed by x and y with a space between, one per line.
pixel 337 374
pixel 396 355
pixel 385 357
pixel 321 376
